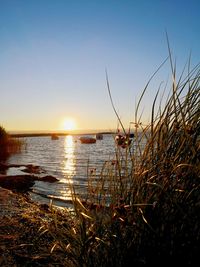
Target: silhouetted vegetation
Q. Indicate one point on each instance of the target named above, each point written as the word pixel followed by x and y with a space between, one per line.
pixel 144 207
pixel 8 145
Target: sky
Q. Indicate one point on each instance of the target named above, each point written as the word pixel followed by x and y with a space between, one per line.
pixel 54 55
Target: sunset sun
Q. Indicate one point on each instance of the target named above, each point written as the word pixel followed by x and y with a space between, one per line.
pixel 68 124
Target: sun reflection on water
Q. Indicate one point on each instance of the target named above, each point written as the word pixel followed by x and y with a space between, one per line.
pixel 69 169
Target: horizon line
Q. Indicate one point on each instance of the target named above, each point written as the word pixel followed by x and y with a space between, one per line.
pixel 59 133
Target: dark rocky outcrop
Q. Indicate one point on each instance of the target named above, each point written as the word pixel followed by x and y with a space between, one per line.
pixel 17 183
pixel 33 169
pixel 29 168
pixel 48 178
pixel 23 183
pixel 3 168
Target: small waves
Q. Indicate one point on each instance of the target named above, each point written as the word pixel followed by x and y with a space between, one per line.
pixel 66 159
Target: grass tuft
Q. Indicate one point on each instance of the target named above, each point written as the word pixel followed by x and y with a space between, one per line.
pixel 144 208
pixel 8 145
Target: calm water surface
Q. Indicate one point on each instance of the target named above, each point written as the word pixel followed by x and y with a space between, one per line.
pixel 66 159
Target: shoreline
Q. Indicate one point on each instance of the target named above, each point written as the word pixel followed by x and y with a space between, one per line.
pixel 24 182
pixel 21 240
pixel 19 135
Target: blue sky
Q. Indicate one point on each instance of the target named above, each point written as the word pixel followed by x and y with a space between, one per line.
pixel 53 56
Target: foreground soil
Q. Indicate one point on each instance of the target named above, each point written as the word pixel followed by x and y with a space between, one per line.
pixel 22 242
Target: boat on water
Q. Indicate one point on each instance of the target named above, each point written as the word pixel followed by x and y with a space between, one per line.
pixel 54 137
pixel 87 140
pixel 99 136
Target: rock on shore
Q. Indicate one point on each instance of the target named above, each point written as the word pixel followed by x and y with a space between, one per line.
pixel 23 183
pixel 18 183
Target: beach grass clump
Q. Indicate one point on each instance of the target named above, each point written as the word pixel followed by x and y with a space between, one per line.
pixel 8 145
pixel 144 206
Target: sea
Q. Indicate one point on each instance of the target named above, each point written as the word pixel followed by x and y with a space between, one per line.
pixel 67 159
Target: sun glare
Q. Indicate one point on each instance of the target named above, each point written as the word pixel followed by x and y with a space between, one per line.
pixel 69 124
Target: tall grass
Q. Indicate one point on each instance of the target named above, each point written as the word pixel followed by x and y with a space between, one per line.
pixel 144 207
pixel 8 145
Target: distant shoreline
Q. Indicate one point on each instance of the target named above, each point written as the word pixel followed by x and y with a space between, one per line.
pixel 37 134
pixel 52 133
